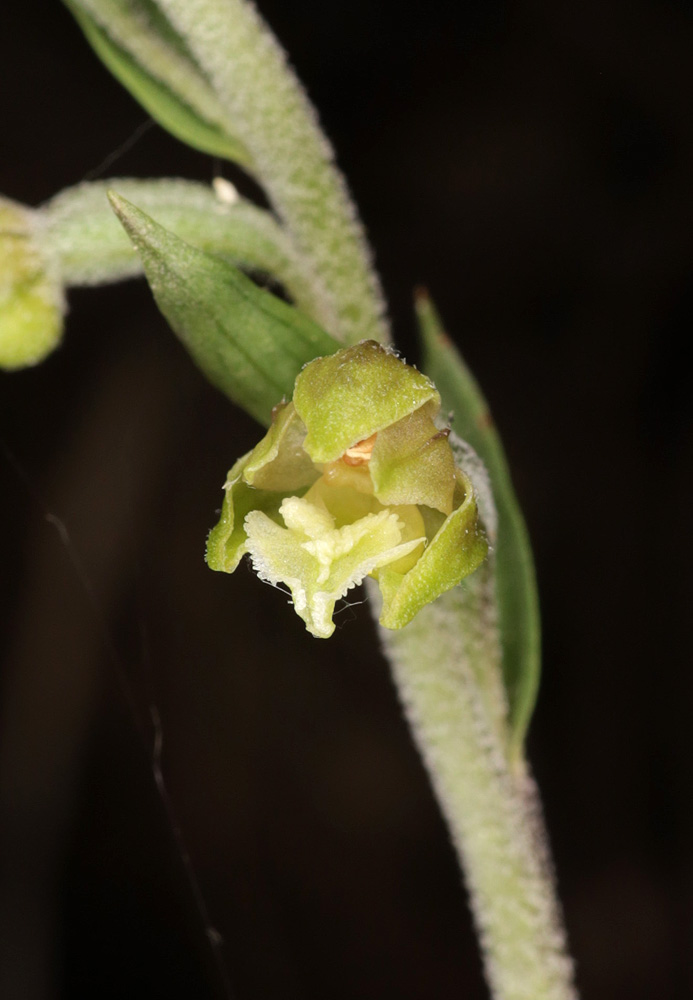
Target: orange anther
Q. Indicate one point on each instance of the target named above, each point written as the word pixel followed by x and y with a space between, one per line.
pixel 360 453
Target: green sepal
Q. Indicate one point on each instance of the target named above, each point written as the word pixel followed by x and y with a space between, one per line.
pixel 226 542
pixel 345 399
pixel 458 548
pixel 516 588
pixel 170 110
pixel 412 463
pixel 276 468
pixel 249 343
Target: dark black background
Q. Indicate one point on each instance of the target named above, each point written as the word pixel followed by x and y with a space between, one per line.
pixel 530 162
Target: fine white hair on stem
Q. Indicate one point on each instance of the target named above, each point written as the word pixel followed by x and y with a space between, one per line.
pixel 273 118
pixel 444 677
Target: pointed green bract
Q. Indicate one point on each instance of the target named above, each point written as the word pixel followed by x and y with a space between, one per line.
pixel 345 398
pixel 515 583
pixel 88 245
pixel 248 342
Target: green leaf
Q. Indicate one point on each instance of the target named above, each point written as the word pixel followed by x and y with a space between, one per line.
pixel 170 109
pixel 516 590
pixel 249 343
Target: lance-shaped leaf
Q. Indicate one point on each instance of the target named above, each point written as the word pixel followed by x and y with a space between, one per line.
pixel 249 343
pixel 144 53
pixel 516 590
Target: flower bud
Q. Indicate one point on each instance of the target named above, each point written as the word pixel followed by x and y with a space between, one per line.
pixel 353 479
pixel 31 300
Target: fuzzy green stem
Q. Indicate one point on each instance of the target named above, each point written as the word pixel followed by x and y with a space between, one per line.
pixel 86 241
pixel 138 46
pixel 515 587
pixel 490 805
pixel 291 158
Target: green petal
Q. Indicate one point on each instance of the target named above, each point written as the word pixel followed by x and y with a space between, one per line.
pixel 456 551
pixel 226 543
pixel 317 561
pixel 412 462
pixel 279 462
pixel 350 395
pixel 344 503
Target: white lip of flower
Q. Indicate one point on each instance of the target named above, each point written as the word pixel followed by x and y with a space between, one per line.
pixel 353 479
pixel 331 560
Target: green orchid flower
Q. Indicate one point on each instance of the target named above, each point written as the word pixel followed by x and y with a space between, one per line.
pixel 353 479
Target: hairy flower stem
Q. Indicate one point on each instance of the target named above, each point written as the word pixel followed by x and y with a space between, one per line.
pixel 491 807
pixel 89 246
pixel 271 116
